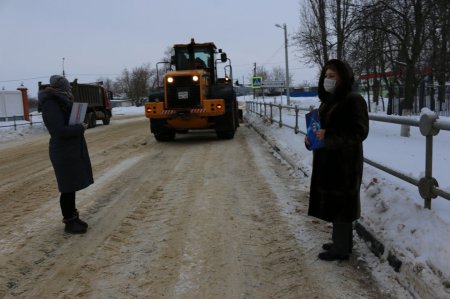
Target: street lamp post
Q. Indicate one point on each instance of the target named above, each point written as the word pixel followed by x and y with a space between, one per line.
pixel 286 60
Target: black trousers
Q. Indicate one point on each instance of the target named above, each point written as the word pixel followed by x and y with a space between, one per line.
pixel 342 236
pixel 67 202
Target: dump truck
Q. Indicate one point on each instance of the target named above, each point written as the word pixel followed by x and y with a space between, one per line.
pixel 194 94
pixel 97 97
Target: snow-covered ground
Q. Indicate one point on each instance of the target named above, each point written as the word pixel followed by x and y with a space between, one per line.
pixel 392 210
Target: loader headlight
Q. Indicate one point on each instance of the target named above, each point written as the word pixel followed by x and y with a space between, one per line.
pixel 170 80
pixel 195 78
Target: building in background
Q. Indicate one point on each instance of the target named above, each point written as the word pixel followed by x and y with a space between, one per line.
pixel 14 104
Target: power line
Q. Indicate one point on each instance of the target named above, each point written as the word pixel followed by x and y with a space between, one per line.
pixel 94 74
pixel 273 55
pixel 18 80
pixel 46 77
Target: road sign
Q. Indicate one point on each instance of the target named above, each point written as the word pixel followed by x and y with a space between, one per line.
pixel 273 84
pixel 257 82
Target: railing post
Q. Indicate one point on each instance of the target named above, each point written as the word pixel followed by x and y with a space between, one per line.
pixel 296 119
pixel 427 183
pixel 281 121
pixel 271 113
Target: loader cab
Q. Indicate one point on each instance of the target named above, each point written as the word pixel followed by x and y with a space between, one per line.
pixel 200 59
pixel 195 56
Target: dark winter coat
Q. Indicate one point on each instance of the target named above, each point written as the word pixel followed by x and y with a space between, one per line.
pixel 67 148
pixel 338 167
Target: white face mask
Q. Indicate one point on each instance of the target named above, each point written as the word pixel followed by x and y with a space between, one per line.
pixel 329 85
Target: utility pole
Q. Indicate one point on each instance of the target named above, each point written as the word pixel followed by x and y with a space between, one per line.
pixel 287 61
pixel 64 74
pixel 254 74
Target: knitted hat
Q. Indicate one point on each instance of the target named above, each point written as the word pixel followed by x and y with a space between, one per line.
pixel 59 82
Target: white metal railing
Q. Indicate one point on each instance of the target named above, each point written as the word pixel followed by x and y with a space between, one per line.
pixel 16 119
pixel 429 125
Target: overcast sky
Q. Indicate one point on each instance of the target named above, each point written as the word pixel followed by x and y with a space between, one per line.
pixel 100 38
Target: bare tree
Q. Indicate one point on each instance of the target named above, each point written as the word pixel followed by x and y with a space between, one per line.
pixel 406 23
pixel 168 54
pixel 263 72
pixel 327 28
pixel 276 74
pixel 107 83
pixel 162 67
pixel 312 38
pixel 344 16
pixel 367 52
pixel 135 85
pixel 122 85
pixel 440 46
pixel 32 103
pixel 400 43
pixel 140 83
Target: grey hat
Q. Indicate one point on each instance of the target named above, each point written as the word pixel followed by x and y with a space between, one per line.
pixel 59 82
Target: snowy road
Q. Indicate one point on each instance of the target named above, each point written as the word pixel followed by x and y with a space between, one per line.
pixel 194 218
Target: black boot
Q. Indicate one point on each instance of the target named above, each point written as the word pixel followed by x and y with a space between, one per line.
pixel 77 215
pixel 73 226
pixel 327 246
pixel 332 255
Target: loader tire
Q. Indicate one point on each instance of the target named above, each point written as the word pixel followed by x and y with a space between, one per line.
pixel 225 134
pixel 164 136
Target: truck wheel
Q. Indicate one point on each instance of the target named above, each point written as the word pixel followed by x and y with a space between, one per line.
pixel 88 120
pixel 106 120
pixel 92 120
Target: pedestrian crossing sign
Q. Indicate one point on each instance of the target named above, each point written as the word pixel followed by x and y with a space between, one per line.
pixel 257 82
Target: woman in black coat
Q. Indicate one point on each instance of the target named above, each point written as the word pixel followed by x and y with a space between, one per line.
pixel 338 166
pixel 67 148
